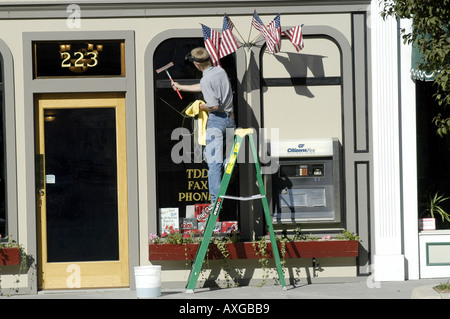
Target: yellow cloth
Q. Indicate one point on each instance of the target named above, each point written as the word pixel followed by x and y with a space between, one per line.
pixel 193 110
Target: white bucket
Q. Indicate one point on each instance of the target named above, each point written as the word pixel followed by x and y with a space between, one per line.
pixel 148 281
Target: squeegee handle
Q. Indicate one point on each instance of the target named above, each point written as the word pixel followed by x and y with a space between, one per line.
pixel 179 94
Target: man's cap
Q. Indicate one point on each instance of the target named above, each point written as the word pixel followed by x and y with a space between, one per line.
pixel 191 58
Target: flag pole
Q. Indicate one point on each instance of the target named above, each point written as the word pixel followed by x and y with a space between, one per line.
pixel 234 26
pixel 251 27
pixel 256 37
pixel 239 34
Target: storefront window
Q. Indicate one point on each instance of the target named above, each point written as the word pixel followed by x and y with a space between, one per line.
pixel 181 186
pixel 2 157
pixel 433 151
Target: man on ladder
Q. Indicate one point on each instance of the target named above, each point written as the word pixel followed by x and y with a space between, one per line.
pixel 218 95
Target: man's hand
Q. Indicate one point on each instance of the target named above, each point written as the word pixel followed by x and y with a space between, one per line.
pixel 176 86
pixel 186 88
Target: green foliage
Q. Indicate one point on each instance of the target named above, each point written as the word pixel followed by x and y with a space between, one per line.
pixel 444 287
pixel 172 236
pixel 346 235
pixel 433 207
pixel 260 247
pixel 9 242
pixel 299 236
pixel 431 34
pixel 443 125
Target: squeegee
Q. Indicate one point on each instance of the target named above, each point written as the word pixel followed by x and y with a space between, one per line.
pixel 165 68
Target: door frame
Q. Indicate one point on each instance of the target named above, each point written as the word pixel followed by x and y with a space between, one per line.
pixel 63 275
pixel 127 85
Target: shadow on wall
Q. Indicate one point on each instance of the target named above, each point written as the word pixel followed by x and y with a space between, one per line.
pixel 297 65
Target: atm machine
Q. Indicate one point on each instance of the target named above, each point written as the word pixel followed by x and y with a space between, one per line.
pixel 307 186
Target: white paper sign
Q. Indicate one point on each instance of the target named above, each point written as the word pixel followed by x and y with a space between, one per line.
pixel 168 217
pixel 305 147
pixel 190 211
pixel 50 179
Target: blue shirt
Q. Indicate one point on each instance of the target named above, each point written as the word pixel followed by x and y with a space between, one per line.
pixel 216 89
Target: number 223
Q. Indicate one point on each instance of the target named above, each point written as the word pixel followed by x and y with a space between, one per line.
pixel 66 62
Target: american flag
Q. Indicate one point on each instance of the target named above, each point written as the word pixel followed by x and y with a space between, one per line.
pixel 275 30
pixel 259 25
pixel 212 39
pixel 228 43
pixel 295 34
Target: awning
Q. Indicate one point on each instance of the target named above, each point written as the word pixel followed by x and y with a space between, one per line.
pixel 416 73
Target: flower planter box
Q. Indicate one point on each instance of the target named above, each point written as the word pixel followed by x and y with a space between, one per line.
pixel 321 249
pixel 299 249
pixel 9 256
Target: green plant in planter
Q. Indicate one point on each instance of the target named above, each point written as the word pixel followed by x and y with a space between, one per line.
pixel 170 235
pixel 346 235
pixel 260 247
pixel 282 240
pixel 9 242
pixel 299 236
pixel 433 207
pixel 222 244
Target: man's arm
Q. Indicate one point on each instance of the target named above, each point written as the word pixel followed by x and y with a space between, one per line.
pixel 186 88
pixel 194 88
pixel 204 107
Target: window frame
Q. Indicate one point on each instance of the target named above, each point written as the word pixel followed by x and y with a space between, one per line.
pixel 162 82
pixel 8 109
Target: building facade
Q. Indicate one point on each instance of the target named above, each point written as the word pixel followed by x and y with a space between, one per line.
pixel 87 132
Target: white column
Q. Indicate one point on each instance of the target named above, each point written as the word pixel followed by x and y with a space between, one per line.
pixel 409 160
pixel 388 260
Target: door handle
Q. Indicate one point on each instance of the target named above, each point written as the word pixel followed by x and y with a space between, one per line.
pixel 40 178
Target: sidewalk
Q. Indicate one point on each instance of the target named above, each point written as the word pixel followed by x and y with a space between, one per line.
pixel 363 289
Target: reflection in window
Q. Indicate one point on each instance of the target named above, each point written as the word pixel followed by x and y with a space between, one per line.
pixel 181 186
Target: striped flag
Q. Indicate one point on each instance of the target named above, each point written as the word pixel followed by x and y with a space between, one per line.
pixel 275 31
pixel 259 25
pixel 212 39
pixel 295 35
pixel 228 43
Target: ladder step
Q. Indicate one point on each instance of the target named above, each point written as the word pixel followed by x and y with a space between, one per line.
pixel 257 196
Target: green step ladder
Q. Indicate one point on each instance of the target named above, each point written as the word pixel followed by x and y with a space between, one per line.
pixel 239 135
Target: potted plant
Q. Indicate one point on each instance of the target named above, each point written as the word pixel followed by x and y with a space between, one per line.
pixel 9 252
pixel 433 208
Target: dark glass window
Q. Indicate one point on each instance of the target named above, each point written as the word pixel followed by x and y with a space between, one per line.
pixel 183 185
pixel 3 227
pixel 433 151
pixel 80 154
pixel 78 58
